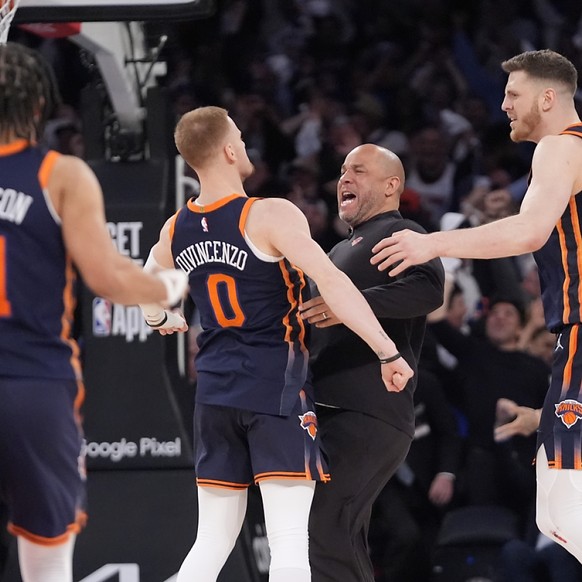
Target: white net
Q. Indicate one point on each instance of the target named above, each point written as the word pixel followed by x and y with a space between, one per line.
pixel 7 11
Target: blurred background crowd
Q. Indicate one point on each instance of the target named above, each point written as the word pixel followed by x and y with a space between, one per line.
pixel 307 81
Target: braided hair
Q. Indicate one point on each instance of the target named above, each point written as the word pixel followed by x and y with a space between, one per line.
pixel 28 93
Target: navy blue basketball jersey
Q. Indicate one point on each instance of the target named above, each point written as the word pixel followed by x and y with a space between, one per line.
pixel 559 266
pixel 253 352
pixel 560 271
pixel 37 296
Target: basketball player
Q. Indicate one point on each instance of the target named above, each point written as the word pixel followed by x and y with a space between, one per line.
pixel 539 101
pixel 254 417
pixel 51 218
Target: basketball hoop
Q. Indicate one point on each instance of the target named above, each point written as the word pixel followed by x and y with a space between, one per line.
pixel 7 11
pixel 52 29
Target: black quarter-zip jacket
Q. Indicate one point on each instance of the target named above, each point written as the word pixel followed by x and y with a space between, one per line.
pixel 346 372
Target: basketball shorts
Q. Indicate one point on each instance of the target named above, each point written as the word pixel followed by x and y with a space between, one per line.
pixel 234 447
pixel 561 422
pixel 42 472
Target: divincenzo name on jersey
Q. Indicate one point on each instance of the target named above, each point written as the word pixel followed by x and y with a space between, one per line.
pixel 211 251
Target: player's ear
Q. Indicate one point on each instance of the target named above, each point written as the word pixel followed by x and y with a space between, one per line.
pixel 548 99
pixel 229 153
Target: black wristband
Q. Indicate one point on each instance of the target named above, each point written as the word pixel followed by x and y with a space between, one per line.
pixel 391 358
pixel 160 323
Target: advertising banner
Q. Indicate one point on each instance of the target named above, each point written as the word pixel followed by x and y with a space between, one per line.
pixel 132 415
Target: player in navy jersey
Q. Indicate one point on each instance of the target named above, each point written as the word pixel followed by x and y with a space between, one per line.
pixel 539 101
pixel 254 421
pixel 51 221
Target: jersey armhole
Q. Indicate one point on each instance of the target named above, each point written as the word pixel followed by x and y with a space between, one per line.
pixel 46 168
pixel 173 224
pixel 245 214
pixel 241 225
pixel 44 174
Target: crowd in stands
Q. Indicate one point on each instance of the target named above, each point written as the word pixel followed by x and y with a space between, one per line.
pixel 308 80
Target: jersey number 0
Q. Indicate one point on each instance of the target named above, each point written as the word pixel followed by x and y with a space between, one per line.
pixel 238 316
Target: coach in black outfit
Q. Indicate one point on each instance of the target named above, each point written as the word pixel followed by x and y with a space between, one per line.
pixel 366 430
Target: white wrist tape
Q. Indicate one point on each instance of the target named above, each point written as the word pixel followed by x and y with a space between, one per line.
pixel 151 265
pixel 175 281
pixel 152 312
pixel 167 320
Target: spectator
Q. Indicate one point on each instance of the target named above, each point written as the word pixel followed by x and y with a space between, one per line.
pixel 493 367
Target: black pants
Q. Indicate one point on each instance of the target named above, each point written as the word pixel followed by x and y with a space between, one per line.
pixel 364 453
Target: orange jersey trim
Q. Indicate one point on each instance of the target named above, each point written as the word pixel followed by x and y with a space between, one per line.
pixel 173 225
pixel 294 306
pixel 5 307
pixel 73 528
pixel 567 378
pixel 46 168
pixel 14 147
pixel 566 284
pixel 578 238
pixel 288 476
pixel 200 209
pixel 69 303
pixel 222 484
pixel 245 214
pixel 79 399
pixel 569 132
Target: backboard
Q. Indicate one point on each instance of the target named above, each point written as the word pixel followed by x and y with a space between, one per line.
pixel 111 10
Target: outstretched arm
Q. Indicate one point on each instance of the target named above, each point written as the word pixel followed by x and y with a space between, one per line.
pixel 278 227
pixel 78 200
pixel 554 181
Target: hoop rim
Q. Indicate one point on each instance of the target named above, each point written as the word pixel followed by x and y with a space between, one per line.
pixel 163 12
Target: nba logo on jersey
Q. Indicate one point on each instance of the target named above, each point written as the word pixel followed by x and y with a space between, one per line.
pixel 204 224
pixel 101 317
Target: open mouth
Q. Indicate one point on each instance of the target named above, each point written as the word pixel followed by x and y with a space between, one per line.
pixel 347 198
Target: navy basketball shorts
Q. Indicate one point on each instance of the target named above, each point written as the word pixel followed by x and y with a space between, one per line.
pixel 561 422
pixel 235 447
pixel 42 475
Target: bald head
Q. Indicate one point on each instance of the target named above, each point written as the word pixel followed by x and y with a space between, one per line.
pixel 387 162
pixel 371 182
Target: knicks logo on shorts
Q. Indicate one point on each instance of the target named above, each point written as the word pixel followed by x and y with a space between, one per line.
pixel 308 422
pixel 569 411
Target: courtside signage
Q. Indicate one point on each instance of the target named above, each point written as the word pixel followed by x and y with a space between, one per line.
pixel 127 449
